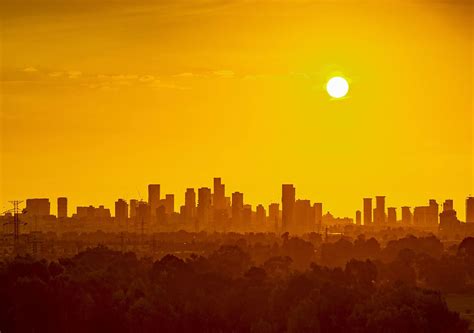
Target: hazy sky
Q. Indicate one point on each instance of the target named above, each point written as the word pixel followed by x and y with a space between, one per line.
pixel 100 98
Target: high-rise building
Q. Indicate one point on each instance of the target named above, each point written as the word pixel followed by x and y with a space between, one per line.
pixel 358 217
pixel 288 199
pixel 260 215
pixel 121 211
pixel 274 215
pixel 62 208
pixel 38 207
pixel 367 211
pixel 380 209
pixel 219 194
pixel 169 204
pixel 470 210
pixel 237 206
pixel 448 205
pixel 153 197
pixel 433 212
pixel 318 215
pixel 406 215
pixel 391 215
pixel 204 206
pixel 302 217
pixel 133 208
pixel 189 204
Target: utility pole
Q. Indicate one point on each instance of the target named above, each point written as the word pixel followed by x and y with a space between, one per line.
pixel 16 224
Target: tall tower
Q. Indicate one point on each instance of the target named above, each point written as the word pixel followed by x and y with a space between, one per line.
pixel 189 204
pixel 62 208
pixel 153 198
pixel 391 215
pixel 470 210
pixel 121 211
pixel 288 199
pixel 219 194
pixel 380 209
pixel 367 211
pixel 358 217
pixel 406 215
pixel 237 206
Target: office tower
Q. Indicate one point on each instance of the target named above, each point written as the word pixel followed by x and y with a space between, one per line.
pixel 121 211
pixel 274 215
pixel 247 215
pixel 261 215
pixel 169 204
pixel 302 216
pixel 433 212
pixel 219 194
pixel 62 208
pixel 189 204
pixel 448 205
pixel 318 215
pixel 470 210
pixel 133 208
pixel 237 206
pixel 38 207
pixel 406 215
pixel 367 211
pixel 391 215
pixel 358 217
pixel 421 215
pixel 161 217
pixel 143 213
pixel 153 197
pixel 204 205
pixel 380 209
pixel 288 203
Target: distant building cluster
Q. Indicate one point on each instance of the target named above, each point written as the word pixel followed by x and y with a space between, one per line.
pixel 212 210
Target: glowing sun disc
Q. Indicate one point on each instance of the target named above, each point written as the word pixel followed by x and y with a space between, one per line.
pixel 337 87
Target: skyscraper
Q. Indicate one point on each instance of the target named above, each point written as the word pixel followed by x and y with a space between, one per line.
pixel 153 197
pixel 274 215
pixel 204 206
pixel 406 215
pixel 391 215
pixel 470 210
pixel 169 204
pixel 367 211
pixel 380 209
pixel 237 206
pixel 433 212
pixel 318 215
pixel 448 205
pixel 121 211
pixel 288 203
pixel 219 194
pixel 261 215
pixel 133 208
pixel 358 217
pixel 62 207
pixel 189 204
pixel 38 207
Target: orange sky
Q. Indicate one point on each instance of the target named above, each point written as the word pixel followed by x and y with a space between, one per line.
pixel 100 98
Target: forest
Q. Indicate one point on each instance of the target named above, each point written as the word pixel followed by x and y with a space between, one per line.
pixel 354 286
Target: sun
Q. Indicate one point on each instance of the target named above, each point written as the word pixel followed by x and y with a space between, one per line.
pixel 337 87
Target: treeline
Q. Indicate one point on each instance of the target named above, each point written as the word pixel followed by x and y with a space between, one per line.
pixel 101 290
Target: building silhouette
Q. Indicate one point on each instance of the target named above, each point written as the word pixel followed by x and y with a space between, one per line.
pixel 153 197
pixel 367 211
pixel 470 210
pixel 62 207
pixel 288 199
pixel 379 210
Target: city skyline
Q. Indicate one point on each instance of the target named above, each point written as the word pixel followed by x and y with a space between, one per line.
pixel 373 210
pixel 98 101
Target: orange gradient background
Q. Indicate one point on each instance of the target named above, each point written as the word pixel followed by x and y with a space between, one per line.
pixel 98 99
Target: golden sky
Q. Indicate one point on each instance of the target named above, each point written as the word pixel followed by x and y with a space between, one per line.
pixel 100 98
